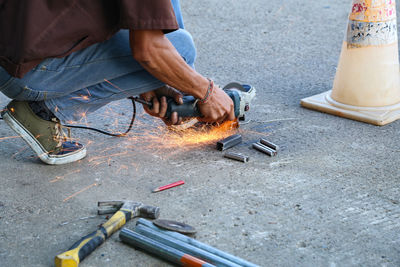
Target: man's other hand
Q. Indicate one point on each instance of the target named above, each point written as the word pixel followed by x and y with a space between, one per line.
pixel 159 99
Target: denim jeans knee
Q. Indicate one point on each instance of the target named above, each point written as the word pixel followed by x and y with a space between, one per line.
pixel 184 44
pixel 178 13
pixel 5 83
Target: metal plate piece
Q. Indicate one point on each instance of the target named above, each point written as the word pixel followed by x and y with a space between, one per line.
pixel 175 226
pixel 236 156
pixel 269 144
pixel 229 142
pixel 269 151
pixel 108 207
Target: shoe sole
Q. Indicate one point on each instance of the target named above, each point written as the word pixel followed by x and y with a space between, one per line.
pixel 37 147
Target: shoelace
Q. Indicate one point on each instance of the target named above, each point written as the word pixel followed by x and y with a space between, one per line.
pixel 60 135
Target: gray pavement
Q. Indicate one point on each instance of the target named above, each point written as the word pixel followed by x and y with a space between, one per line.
pixel 330 198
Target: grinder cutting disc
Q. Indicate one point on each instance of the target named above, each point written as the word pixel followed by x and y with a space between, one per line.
pixel 175 226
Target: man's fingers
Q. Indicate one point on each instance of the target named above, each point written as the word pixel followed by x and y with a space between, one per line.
pixel 175 95
pixel 147 109
pixel 231 115
pixel 170 92
pixel 222 119
pixel 208 119
pixel 163 107
pixel 174 118
pixel 156 106
pixel 179 121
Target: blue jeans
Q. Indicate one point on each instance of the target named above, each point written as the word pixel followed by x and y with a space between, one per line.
pixel 178 14
pixel 90 78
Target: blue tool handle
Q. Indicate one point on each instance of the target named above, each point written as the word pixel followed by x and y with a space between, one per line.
pixel 185 110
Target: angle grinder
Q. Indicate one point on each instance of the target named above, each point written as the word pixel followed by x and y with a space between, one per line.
pixel 241 95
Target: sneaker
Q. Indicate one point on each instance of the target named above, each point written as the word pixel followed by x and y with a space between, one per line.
pixel 46 138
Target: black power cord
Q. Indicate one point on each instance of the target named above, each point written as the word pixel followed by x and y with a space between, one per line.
pixel 107 133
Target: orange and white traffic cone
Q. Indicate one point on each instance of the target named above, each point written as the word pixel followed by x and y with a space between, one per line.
pixel 367 82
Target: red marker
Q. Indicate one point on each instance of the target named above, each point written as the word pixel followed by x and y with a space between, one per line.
pixel 168 186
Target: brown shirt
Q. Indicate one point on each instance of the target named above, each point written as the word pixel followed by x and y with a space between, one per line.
pixel 32 30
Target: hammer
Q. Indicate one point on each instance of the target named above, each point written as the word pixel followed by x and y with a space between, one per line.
pixel 87 244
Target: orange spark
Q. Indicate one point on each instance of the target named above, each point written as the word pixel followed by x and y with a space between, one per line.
pixel 80 191
pixel 9 137
pixel 136 166
pixel 87 90
pixel 189 138
pixel 122 167
pixel 59 178
pixel 107 156
pixel 18 152
pixel 95 164
pixel 81 97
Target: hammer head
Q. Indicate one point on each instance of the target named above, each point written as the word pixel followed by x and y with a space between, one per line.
pixel 137 209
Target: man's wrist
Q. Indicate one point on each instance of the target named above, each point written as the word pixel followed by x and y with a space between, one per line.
pixel 199 88
pixel 209 92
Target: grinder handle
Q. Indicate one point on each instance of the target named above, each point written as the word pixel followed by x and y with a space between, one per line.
pixel 89 243
pixel 185 110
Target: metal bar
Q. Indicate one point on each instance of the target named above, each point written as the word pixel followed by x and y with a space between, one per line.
pixel 236 156
pixel 197 244
pixel 269 144
pixel 260 147
pixel 110 203
pixel 182 246
pixel 229 142
pixel 108 207
pixel 103 211
pixel 159 249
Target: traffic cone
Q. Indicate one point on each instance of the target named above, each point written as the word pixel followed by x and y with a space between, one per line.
pixel 367 82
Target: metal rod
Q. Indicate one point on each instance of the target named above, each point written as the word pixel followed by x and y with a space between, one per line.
pixel 264 149
pixel 197 244
pixel 161 250
pixel 269 144
pixel 229 142
pixel 182 246
pixel 236 156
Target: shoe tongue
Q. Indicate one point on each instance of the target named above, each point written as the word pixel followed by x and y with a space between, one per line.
pixel 40 109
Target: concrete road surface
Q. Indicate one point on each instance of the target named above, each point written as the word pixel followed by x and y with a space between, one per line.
pixel 330 198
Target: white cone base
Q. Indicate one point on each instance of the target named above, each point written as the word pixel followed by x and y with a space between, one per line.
pixel 378 116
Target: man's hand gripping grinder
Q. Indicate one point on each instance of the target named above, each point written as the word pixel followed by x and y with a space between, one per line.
pixel 241 95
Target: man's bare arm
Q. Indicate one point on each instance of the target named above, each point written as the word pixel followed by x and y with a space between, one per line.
pixel 159 57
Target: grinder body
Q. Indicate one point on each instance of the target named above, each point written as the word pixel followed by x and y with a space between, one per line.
pixel 241 96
